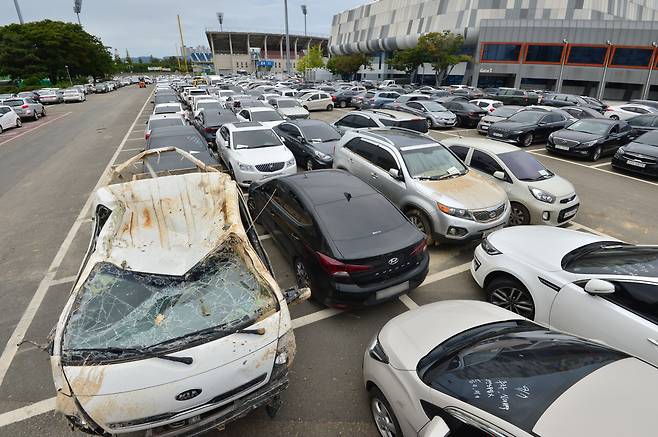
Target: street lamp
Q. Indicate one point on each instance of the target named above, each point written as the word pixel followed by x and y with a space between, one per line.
pixel 69 74
pixel 558 87
pixel 285 6
pixel 647 86
pixel 77 7
pixel 220 18
pixel 304 11
pixel 605 71
pixel 18 12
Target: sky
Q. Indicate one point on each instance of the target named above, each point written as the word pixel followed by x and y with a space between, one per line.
pixel 149 27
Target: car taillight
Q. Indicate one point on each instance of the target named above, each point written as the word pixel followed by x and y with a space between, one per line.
pixel 147 135
pixel 333 98
pixel 339 269
pixel 491 109
pixel 420 248
pixel 25 106
pixel 471 113
pixel 210 130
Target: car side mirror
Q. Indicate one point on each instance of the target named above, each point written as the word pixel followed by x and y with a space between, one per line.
pixel 437 427
pixel 395 173
pixel 294 295
pixel 299 138
pixel 500 175
pixel 598 286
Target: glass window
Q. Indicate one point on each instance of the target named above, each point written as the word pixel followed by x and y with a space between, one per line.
pixel 586 55
pixel 432 163
pixel 322 132
pixel 485 163
pixel 291 205
pixel 524 166
pixel 500 52
pixel 544 53
pixel 460 151
pixel 590 126
pixel 638 297
pixel 255 139
pixel 641 120
pixel 367 151
pixel 385 160
pixel 631 57
pixel 361 122
pixel 347 121
pixel 552 118
pixel 655 122
pixel 415 105
pixel 613 259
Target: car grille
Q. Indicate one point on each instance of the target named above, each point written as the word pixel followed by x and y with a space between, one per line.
pixel 488 215
pixel 568 199
pixel 565 142
pixel 640 157
pixel 269 168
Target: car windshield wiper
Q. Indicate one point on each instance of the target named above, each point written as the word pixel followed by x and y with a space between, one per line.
pixel 141 352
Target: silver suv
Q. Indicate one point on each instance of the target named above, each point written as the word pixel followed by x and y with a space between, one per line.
pixel 427 181
pixel 26 107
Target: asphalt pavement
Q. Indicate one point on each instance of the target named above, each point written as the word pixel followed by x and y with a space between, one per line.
pixel 49 168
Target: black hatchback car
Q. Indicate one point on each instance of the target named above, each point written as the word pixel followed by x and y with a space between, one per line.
pixel 639 156
pixel 468 114
pixel 591 138
pixel 346 241
pixel 526 127
pixel 209 121
pixel 311 141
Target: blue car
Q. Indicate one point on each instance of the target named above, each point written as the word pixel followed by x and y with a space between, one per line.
pixel 377 99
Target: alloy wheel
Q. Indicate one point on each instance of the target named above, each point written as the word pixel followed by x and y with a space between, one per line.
pixel 418 223
pixel 614 117
pixel 19 123
pixel 309 165
pixel 596 154
pixel 383 419
pixel 527 140
pixel 343 104
pixel 518 216
pixel 301 275
pixel 429 124
pixel 514 299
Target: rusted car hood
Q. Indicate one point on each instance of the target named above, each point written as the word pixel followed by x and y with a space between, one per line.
pixel 469 191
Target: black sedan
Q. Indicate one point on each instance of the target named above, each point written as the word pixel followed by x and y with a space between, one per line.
pixel 640 156
pixel 581 112
pixel 468 114
pixel 343 99
pixel 346 240
pixel 185 138
pixel 643 123
pixel 526 127
pixel 208 121
pixel 591 138
pixel 311 141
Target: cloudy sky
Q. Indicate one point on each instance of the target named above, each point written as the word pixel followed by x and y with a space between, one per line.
pixel 148 27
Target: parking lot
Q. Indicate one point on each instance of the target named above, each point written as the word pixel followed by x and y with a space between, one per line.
pixel 49 168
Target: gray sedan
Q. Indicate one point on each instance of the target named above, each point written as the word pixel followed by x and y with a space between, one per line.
pixel 26 107
pixel 435 113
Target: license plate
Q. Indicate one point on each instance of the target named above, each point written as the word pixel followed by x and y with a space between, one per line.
pixel 392 291
pixel 496 134
pixel 570 213
pixel 557 146
pixel 636 164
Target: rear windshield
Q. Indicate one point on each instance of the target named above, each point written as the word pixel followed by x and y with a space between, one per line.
pixel 288 104
pixel 525 167
pixel 13 102
pixel 266 116
pixel 167 109
pixel 419 125
pixel 164 122
pixel 191 141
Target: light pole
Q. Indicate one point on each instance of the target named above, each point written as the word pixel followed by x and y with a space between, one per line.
pixel 285 6
pixel 558 86
pixel 18 11
pixel 605 71
pixel 220 18
pixel 68 74
pixel 647 86
pixel 77 7
pixel 304 11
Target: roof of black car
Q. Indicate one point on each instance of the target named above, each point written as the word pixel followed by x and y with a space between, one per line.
pixel 606 121
pixel 306 122
pixel 173 131
pixel 324 186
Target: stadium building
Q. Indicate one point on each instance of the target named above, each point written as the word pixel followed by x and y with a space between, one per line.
pixel 574 45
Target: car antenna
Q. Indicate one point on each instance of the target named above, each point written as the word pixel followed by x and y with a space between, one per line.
pixel 348 196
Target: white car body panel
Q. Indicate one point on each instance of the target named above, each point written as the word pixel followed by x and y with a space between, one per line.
pixel 9 119
pixel 316 101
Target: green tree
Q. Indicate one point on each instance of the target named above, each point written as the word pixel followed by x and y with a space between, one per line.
pixel 442 49
pixel 348 65
pixel 408 60
pixel 129 60
pixel 43 48
pixel 312 59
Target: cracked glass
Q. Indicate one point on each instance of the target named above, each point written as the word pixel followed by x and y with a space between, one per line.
pixel 118 308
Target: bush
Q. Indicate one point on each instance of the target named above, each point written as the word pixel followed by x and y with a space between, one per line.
pixel 32 81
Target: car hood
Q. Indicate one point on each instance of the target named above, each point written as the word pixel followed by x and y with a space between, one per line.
pixel 443 114
pixel 263 155
pixel 512 125
pixel 572 135
pixel 407 338
pixel 492 118
pixel 292 111
pixel 541 246
pixel 469 191
pixel 556 185
pixel 642 149
pixel 327 147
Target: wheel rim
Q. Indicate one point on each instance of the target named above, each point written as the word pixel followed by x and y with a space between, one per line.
pixel 301 275
pixel 309 165
pixel 429 123
pixel 343 104
pixel 383 419
pixel 19 123
pixel 515 300
pixel 418 223
pixel 517 216
pixel 527 140
pixel 597 153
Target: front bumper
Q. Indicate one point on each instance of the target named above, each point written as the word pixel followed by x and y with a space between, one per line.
pixel 504 136
pixel 49 100
pixel 576 150
pixel 436 122
pixel 246 178
pixel 649 169
pixel 483 127
pixel 557 213
pixel 448 228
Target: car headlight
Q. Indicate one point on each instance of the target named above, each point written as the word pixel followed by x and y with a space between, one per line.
pixel 285 355
pixel 588 143
pixel 291 162
pixel 489 248
pixel 376 351
pixel 620 151
pixel 542 195
pixel 517 132
pixel 455 212
pixel 321 156
pixel 246 167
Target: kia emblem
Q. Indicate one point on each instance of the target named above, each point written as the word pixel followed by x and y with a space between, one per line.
pixel 393 261
pixel 188 394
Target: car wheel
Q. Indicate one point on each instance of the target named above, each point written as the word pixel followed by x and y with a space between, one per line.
pixel 36 116
pixel 309 164
pixel 343 104
pixel 301 274
pixel 460 121
pixel 526 140
pixel 382 413
pixel 19 123
pixel 511 294
pixel 519 215
pixel 422 223
pixel 429 123
pixel 43 111
pixel 0 129
pixel 330 108
pixel 596 153
pixel 614 117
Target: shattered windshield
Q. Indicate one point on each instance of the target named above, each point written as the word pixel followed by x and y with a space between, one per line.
pixel 118 308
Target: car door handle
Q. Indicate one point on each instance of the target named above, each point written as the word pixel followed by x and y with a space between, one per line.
pixel 373 175
pixel 295 236
pixel 653 341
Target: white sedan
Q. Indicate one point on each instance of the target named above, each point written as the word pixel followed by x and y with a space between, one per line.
pixel 8 118
pixel 268 117
pixel 591 286
pixel 487 104
pixel 628 110
pixel 468 368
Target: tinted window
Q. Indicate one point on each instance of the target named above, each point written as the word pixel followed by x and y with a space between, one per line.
pixel 631 57
pixel 415 105
pixel 431 162
pixel 504 111
pixel 485 163
pixel 513 370
pixel 289 203
pixel 460 151
pixel 552 118
pixel 322 132
pixel 385 160
pixel 191 141
pixel 254 139
pixel 165 122
pixel 524 166
pixel 527 117
pixel 366 150
pixel 500 52
pixel 586 55
pixel 361 122
pixel 616 260
pixel 266 116
pixel 543 53
pixel 638 297
pixel 641 120
pixel 347 121
pixel 13 102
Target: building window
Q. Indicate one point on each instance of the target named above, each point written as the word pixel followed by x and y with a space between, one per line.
pixel 496 52
pixel 543 53
pixel 586 55
pixel 631 57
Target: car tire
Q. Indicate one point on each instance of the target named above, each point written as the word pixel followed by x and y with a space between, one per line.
pixel 519 215
pixel 511 294
pixel 301 274
pixel 460 121
pixel 422 223
pixel 19 122
pixel 0 129
pixel 596 153
pixel 343 104
pixel 309 164
pixel 36 116
pixel 526 140
pixel 382 414
pixel 429 124
pixel 614 117
pixel 330 108
pixel 43 111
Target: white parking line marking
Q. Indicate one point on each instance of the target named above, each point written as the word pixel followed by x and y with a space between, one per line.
pixel 264 237
pixel 594 168
pixel 24 323
pixel 408 302
pixel 601 165
pixel 64 280
pixel 134 149
pixel 315 317
pixel 136 139
pixel 588 229
pixel 35 128
pixel 446 273
pixel 26 412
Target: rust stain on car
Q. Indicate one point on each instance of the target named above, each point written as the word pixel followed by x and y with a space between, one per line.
pixel 473 191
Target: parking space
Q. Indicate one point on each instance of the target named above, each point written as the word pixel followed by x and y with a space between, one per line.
pixel 326 395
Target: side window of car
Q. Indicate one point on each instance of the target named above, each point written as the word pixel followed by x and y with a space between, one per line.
pixel 384 160
pixel 361 122
pixel 485 163
pixel 315 97
pixel 629 109
pixel 460 151
pixel 641 111
pixel 367 151
pixel 638 297
pixel 415 105
pixel 614 129
pixel 624 127
pixel 642 120
pixel 325 96
pixel 289 202
pixel 552 118
pixel 245 114
pixel 347 121
pixel 655 122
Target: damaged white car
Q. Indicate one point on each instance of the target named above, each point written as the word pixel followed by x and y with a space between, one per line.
pixel 175 324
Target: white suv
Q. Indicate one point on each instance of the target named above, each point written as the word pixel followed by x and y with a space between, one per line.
pixel 253 152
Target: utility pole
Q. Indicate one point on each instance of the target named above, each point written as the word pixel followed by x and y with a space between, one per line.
pixel 285 5
pixel 77 7
pixel 182 44
pixel 558 86
pixel 304 11
pixel 18 11
pixel 605 71
pixel 177 57
pixel 220 17
pixel 652 62
pixel 69 74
